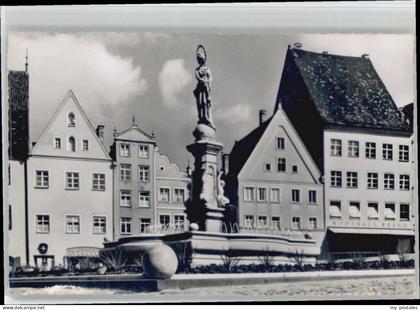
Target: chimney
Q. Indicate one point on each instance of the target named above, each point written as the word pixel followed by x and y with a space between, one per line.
pixel 100 132
pixel 225 163
pixel 262 116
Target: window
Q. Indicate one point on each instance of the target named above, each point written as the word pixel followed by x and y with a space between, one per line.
pixel 280 143
pixel 72 180
pixel 335 209
pixel 143 151
pixel 249 193
pixel 125 149
pixel 249 221
pixel 72 144
pixel 144 223
pixel 403 153
pixel 72 224
pixel 10 217
pixel 404 212
pixel 179 195
pixel 275 195
pixel 372 180
pixel 262 221
pixel 281 164
pixel 353 149
pixel 125 225
pixel 144 199
pixel 99 224
pixel 354 209
pixel 125 198
pixel 335 178
pixel 312 196
pixel 262 194
pixel 388 181
pixel 387 151
pixel 267 167
pixel 389 211
pixel 98 181
pixel 404 182
pixel 295 169
pixel 335 147
pixel 85 145
pixel 295 195
pixel 41 178
pixel 57 143
pixel 313 223
pixel 295 222
pixel 164 194
pixel 352 179
pixel 370 150
pixel 372 211
pixel 125 172
pixel 71 120
pixel 144 173
pixel 164 219
pixel 43 224
pixel 275 222
pixel 179 221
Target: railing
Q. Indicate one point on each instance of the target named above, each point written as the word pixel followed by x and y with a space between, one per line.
pixel 265 230
pixel 163 229
pixel 232 228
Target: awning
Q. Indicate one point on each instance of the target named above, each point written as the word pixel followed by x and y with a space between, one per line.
pixel 354 211
pixel 389 213
pixel 335 211
pixel 372 231
pixel 373 213
pixel 82 252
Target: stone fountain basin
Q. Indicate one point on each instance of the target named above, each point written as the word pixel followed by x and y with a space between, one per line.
pixel 211 248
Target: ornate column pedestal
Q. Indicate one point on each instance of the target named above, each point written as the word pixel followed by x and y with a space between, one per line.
pixel 205 208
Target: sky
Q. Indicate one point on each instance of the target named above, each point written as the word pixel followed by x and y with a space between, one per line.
pixel 151 76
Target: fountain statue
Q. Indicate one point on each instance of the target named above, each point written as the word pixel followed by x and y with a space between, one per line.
pixel 203 88
pixel 205 207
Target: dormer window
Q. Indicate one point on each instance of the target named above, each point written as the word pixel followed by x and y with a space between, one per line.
pixel 71 120
pixel 72 144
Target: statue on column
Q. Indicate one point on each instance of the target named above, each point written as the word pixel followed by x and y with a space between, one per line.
pixel 203 88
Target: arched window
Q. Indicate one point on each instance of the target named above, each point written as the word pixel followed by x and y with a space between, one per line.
pixel 71 122
pixel 72 144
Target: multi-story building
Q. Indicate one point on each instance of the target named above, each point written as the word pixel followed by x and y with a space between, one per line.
pixel 69 188
pixel 148 189
pixel 362 144
pixel 273 180
pixel 18 90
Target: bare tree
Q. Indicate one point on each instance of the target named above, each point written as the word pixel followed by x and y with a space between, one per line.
pixel 229 262
pixel 113 258
pixel 267 259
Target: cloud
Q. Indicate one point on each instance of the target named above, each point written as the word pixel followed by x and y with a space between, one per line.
pixel 100 79
pixel 154 38
pixel 172 80
pixel 237 113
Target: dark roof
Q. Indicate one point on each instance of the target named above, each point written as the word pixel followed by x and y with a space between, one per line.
pixel 244 147
pixel 408 111
pixel 347 91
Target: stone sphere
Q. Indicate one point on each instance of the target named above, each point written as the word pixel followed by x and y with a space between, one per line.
pixel 194 226
pixel 204 132
pixel 160 262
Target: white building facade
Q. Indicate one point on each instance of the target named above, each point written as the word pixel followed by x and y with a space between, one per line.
pixel 69 189
pixel 149 190
pixel 278 186
pixel 369 186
